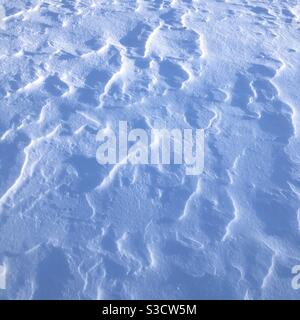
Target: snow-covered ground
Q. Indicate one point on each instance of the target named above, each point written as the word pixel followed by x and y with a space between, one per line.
pixel 69 68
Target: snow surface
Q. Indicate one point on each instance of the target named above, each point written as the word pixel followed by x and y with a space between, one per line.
pixel 69 68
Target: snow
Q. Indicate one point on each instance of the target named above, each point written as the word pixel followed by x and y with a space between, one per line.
pixel 72 228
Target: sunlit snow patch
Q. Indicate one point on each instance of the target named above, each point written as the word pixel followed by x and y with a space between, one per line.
pixel 2 277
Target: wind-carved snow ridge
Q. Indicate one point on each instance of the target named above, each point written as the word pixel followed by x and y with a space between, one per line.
pixel 71 68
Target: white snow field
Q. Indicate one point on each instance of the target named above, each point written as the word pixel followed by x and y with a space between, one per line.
pixel 71 228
